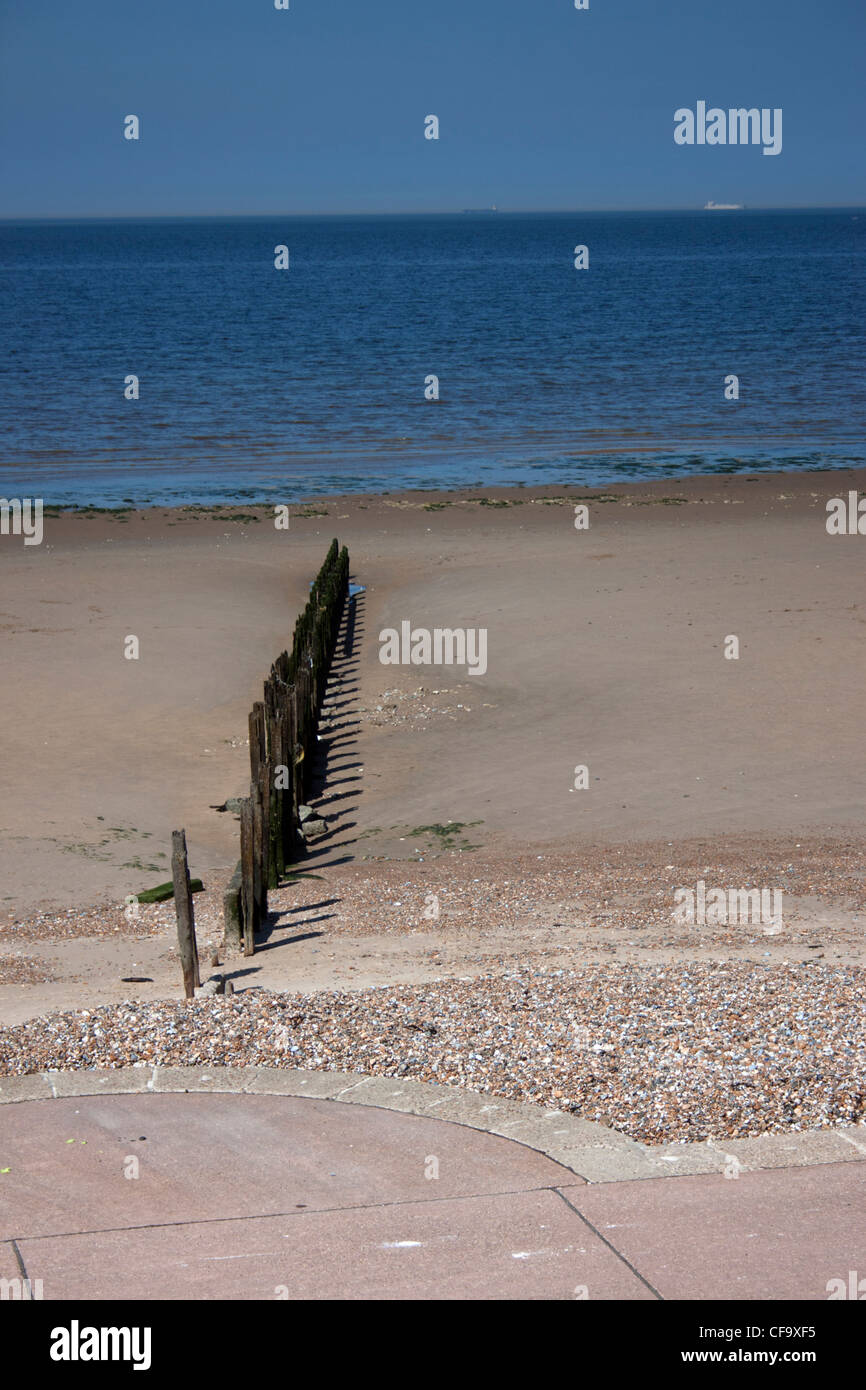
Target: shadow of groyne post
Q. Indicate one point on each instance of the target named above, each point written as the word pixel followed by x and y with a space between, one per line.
pixel 283 747
pixel 336 737
pixel 339 729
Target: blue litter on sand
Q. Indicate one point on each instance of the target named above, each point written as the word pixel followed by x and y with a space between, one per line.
pixel 354 589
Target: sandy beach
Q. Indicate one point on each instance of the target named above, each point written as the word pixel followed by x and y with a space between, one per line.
pixel 605 650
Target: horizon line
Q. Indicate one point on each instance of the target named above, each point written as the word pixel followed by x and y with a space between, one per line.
pixel 414 212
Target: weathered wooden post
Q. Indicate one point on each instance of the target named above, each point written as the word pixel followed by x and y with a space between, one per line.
pixel 263 798
pixel 185 916
pixel 275 804
pixel 287 793
pixel 260 845
pixel 258 739
pixel 233 911
pixel 248 893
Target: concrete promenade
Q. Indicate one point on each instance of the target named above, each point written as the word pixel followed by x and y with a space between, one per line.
pixel 208 1183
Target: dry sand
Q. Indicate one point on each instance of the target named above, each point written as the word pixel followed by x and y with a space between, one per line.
pixel 605 648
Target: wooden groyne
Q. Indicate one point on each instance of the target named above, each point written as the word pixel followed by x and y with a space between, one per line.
pixel 283 729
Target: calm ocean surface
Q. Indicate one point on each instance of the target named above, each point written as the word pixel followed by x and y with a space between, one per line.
pixel 271 385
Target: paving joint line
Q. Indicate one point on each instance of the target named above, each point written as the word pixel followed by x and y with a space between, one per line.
pixel 620 1256
pixel 19 1259
pixel 278 1215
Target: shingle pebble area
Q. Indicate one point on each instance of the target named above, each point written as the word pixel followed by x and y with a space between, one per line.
pixel 626 890
pixel 630 889
pixel 102 920
pixel 696 1051
pixel 18 969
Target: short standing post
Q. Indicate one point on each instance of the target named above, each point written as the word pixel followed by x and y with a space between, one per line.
pixel 248 877
pixel 185 917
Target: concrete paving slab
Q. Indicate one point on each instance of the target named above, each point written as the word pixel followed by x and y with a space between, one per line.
pixel 526 1123
pixel 413 1096
pixel 547 1135
pixel 93 1083
pixel 74 1161
pixel 855 1135
pixel 9 1267
pixel 450 1103
pixel 770 1234
pixel 274 1081
pixel 561 1130
pixel 681 1160
pixel 15 1088
pixel 231 1079
pixel 490 1114
pixel 386 1091
pixel 525 1245
pixel 791 1150
pixel 548 1131
pixel 606 1164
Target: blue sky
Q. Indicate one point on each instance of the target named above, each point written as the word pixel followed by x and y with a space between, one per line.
pixel 246 109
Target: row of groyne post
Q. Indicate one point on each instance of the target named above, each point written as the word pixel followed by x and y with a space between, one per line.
pixel 283 729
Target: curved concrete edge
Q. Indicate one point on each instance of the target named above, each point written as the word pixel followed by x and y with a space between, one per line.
pixel 592 1151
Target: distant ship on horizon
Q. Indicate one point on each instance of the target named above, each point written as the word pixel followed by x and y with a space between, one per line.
pixel 723 207
pixel 476 211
